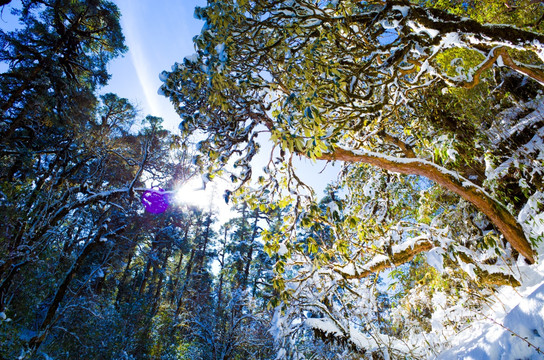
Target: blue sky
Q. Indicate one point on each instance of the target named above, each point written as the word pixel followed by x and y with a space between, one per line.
pixel 158 33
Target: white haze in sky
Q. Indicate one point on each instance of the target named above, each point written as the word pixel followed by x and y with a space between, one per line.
pixel 158 34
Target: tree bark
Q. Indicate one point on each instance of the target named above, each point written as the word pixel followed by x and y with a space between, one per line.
pixel 188 273
pixel 450 23
pixel 121 287
pixel 36 341
pixel 502 52
pixel 420 246
pixel 221 274
pixel 496 212
pixel 177 271
pixel 249 256
pixel 176 275
pixel 146 272
pixel 204 244
pixel 162 274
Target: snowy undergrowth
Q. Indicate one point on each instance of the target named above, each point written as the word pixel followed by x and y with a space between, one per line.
pixel 438 324
pixel 513 327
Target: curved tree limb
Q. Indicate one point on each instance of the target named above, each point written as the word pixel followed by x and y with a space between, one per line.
pixel 502 53
pixel 496 212
pixel 406 254
pixel 450 23
pixel 406 149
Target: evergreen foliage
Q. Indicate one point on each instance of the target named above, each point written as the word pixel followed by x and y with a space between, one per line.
pixel 434 108
pixel 85 272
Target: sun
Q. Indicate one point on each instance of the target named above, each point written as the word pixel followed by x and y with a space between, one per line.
pixel 192 193
pixel 211 198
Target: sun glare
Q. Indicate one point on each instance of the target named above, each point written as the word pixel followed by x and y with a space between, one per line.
pixel 192 193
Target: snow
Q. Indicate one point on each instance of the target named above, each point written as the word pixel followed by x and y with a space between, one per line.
pixel 281 354
pixel 518 337
pixel 417 28
pixel 311 23
pixel 510 328
pixel 349 269
pixel 513 327
pixel 352 83
pixel 284 12
pixel 452 154
pixel 332 207
pixel 465 182
pixel 390 25
pixel 368 189
pixel 325 325
pixel 221 54
pixel 163 76
pixel 435 259
pixel 282 250
pixel 192 58
pixel 439 302
pixel 402 9
pixel 509 123
pixel 359 339
pixel 408 244
pixel 468 268
pixel 376 260
pixel 530 218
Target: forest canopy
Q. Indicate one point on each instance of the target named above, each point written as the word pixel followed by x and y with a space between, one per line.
pixel 346 81
pixel 432 107
pixel 433 110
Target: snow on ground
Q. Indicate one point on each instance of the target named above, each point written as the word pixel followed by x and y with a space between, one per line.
pixel 519 335
pixel 513 328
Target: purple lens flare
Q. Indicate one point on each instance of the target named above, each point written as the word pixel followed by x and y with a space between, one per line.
pixel 155 201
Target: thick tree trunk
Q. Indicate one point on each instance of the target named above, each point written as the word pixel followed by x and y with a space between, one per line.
pixel 176 274
pixel 146 272
pixel 156 297
pixel 6 283
pixel 204 247
pixel 36 341
pixel 176 277
pixel 221 275
pixel 496 212
pixel 121 287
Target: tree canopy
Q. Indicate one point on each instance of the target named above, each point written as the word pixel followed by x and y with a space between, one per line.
pixel 426 90
pixel 87 270
pixel 433 108
pixel 344 81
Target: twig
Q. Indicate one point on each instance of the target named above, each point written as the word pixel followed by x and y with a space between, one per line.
pixel 513 333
